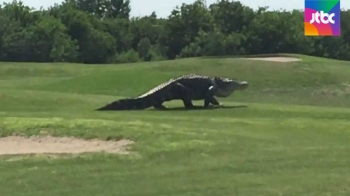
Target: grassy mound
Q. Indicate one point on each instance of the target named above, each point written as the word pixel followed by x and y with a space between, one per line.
pixel 287 134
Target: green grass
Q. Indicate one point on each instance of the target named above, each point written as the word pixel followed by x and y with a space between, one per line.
pixel 291 138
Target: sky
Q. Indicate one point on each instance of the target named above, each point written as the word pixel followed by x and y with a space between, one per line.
pixel 162 9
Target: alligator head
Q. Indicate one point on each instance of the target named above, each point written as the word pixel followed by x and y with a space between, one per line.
pixel 226 86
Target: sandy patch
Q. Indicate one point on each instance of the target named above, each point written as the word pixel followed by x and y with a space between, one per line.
pixel 15 145
pixel 276 59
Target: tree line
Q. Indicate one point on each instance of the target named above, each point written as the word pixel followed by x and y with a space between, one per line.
pixel 102 31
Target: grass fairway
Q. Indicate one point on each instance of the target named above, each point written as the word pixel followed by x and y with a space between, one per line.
pixel 288 134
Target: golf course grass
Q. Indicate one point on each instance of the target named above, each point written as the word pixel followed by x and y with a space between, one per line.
pixel 287 134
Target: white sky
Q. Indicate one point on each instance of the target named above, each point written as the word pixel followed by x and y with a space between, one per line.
pixel 162 9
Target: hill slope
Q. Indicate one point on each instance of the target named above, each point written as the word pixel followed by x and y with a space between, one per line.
pixel 311 81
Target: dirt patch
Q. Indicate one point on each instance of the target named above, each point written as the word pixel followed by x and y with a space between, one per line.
pixel 276 59
pixel 15 145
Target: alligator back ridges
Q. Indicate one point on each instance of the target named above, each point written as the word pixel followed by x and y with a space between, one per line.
pixel 156 89
pixel 149 98
pixel 143 101
pixel 169 82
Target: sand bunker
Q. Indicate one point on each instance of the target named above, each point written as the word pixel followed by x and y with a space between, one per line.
pixel 276 59
pixel 15 145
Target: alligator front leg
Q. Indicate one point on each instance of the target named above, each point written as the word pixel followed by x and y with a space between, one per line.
pixel 214 101
pixel 184 94
pixel 209 98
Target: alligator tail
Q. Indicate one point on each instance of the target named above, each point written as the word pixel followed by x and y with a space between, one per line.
pixel 126 104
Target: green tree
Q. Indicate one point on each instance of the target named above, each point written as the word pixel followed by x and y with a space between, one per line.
pixel 47 41
pixel 143 48
pixel 105 8
pixel 184 24
pixel 120 30
pixel 95 45
pixel 101 31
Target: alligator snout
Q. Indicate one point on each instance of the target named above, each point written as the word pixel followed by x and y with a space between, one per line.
pixel 244 85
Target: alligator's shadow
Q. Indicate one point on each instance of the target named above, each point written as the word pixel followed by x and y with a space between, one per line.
pixel 199 108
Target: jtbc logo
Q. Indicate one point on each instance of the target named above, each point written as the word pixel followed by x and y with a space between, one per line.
pixel 317 17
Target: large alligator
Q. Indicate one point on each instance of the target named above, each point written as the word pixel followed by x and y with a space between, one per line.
pixel 185 88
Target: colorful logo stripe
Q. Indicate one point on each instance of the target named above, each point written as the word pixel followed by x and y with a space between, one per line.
pixel 322 18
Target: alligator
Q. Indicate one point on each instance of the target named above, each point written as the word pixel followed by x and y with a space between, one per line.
pixel 185 88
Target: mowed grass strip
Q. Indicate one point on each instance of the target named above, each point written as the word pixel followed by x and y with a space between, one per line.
pixel 259 146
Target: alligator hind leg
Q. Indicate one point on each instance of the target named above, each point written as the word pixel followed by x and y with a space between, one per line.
pixel 214 101
pixel 183 93
pixel 188 103
pixel 211 100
